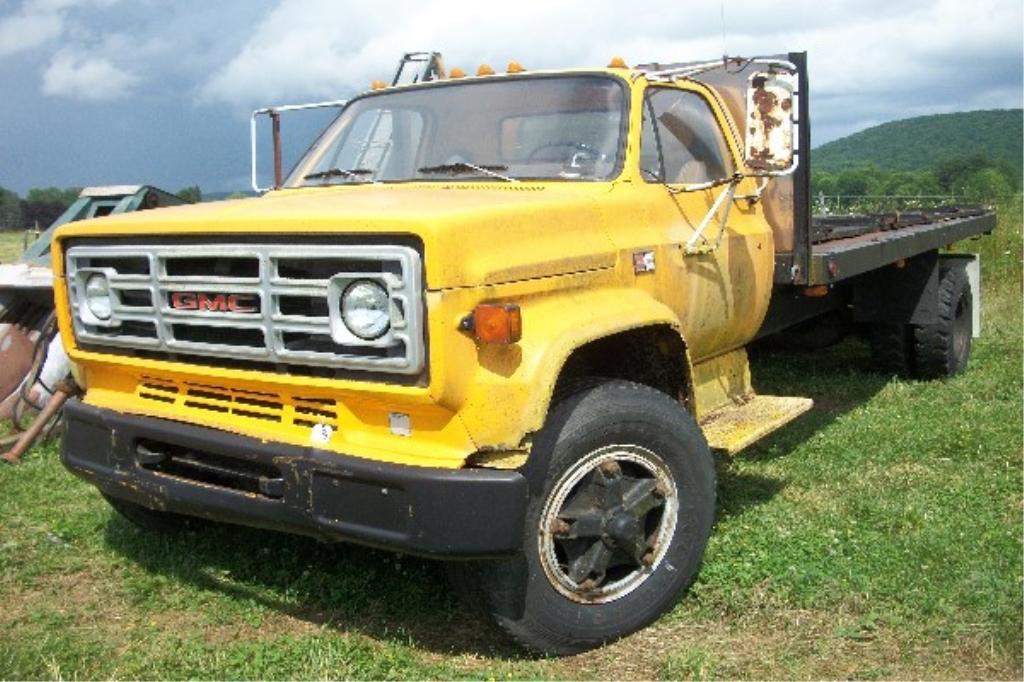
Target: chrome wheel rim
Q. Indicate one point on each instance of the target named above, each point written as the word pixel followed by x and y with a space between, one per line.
pixel 607 523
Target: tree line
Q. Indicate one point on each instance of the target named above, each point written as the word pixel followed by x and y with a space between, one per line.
pixel 976 178
pixel 43 205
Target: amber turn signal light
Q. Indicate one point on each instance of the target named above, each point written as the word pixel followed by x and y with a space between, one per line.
pixel 495 323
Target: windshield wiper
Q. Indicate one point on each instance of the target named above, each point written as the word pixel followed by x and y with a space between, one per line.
pixel 333 172
pixel 460 167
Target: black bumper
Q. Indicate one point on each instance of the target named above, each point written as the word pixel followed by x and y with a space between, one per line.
pixel 217 475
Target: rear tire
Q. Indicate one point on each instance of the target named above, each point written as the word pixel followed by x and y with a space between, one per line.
pixel 622 486
pixel 943 349
pixel 930 351
pixel 892 348
pixel 823 331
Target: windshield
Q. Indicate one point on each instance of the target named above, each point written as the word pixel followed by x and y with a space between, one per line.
pixel 565 127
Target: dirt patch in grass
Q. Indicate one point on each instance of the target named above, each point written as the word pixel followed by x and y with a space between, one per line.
pixel 782 643
pixel 267 627
pixel 77 595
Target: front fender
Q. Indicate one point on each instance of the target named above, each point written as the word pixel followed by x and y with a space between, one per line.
pixel 506 390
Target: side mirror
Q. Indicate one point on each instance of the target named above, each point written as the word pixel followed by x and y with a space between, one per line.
pixel 274 113
pixel 771 112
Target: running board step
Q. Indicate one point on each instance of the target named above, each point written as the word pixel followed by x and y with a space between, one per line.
pixel 731 428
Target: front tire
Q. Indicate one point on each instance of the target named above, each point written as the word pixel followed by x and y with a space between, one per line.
pixel 622 503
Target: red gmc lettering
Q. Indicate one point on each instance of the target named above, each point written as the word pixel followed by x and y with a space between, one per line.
pixel 183 301
pixel 242 303
pixel 214 303
pixel 221 303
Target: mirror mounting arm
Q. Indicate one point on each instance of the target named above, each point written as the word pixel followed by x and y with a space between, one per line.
pixel 698 243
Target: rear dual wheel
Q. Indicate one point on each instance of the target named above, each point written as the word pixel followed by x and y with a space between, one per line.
pixel 932 351
pixel 943 349
pixel 622 503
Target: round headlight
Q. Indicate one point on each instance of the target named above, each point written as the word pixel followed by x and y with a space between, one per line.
pixel 97 296
pixel 365 309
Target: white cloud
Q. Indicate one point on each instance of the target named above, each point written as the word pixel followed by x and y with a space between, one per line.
pixel 33 26
pixel 83 76
pixel 898 58
pixel 37 23
pixel 78 69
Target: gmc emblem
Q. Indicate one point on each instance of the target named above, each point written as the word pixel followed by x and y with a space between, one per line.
pixel 214 303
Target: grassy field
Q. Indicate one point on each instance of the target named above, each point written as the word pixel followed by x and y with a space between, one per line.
pixel 877 537
pixel 11 244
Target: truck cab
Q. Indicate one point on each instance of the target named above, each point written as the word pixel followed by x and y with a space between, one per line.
pixel 500 319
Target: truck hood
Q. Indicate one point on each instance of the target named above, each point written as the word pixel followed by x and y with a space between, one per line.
pixel 473 233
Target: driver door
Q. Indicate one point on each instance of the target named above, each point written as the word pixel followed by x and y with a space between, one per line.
pixel 720 292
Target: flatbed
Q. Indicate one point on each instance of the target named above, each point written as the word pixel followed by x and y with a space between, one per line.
pixel 847 246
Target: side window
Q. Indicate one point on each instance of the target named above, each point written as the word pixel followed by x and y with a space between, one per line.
pixel 650 151
pixel 680 130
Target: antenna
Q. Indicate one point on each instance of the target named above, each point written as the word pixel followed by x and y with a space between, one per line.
pixel 721 6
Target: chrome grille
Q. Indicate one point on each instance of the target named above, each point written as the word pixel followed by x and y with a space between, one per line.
pixel 268 303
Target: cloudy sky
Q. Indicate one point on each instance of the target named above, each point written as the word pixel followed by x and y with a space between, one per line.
pixel 159 91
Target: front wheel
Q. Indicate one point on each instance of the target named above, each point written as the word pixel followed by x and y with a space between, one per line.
pixel 622 503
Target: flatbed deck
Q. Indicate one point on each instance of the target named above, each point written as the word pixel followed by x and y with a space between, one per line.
pixel 846 246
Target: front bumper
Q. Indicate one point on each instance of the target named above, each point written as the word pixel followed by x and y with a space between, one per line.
pixel 222 476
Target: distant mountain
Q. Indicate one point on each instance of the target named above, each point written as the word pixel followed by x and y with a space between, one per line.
pixel 920 142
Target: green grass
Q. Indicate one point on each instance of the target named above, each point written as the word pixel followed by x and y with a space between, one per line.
pixel 11 246
pixel 879 536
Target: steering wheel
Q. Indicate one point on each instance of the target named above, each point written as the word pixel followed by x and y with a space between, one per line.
pixel 573 147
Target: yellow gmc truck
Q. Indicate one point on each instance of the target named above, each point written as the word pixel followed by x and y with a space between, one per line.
pixel 497 319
